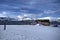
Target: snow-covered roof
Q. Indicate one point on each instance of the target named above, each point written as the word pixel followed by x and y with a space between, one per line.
pixel 44 18
pixel 49 18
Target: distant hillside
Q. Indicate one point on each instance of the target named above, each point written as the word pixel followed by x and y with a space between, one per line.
pixel 25 22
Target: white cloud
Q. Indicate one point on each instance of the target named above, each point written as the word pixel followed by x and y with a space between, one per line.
pixel 27 15
pixel 19 16
pixel 1 15
pixel 24 15
pixel 4 13
pixel 49 12
pixel 58 18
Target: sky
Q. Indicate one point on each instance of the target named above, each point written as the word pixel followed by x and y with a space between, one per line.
pixel 30 8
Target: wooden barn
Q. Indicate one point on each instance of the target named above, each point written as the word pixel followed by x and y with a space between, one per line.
pixel 43 22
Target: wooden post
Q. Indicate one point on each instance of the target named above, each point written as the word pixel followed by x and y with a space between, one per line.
pixel 4 25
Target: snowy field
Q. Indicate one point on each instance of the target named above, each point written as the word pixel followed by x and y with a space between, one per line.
pixel 29 32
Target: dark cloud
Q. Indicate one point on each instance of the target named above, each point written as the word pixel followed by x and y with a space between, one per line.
pixel 29 6
pixel 57 1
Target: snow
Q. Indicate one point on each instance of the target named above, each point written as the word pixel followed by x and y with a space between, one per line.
pixel 29 32
pixel 49 18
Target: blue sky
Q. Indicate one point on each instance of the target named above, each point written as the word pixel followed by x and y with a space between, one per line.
pixel 30 8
